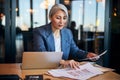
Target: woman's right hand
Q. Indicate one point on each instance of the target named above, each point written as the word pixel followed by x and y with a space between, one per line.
pixel 72 63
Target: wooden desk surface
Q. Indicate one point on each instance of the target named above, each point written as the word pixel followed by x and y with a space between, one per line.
pixel 15 69
pixel 10 69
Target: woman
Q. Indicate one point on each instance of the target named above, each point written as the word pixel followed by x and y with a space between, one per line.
pixel 56 37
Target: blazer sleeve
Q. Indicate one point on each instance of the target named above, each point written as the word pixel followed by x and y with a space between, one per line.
pixel 75 52
pixel 38 40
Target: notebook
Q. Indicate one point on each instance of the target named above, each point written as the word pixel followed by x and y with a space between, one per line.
pixel 41 60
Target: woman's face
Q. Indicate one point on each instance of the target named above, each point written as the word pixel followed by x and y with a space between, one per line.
pixel 59 20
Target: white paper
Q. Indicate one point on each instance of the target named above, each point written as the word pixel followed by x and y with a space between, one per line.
pixel 86 71
pixel 97 57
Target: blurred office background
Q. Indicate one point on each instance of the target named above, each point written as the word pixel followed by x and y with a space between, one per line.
pixel 97 27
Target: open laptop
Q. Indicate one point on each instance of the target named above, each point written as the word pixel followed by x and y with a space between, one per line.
pixel 41 60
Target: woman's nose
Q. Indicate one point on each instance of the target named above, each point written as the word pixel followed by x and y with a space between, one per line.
pixel 61 20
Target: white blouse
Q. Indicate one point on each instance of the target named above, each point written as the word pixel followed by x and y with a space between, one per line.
pixel 57 43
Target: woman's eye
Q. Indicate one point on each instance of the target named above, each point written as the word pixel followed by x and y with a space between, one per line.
pixel 65 18
pixel 58 18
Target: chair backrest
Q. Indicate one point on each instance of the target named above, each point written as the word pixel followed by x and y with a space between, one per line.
pixel 28 40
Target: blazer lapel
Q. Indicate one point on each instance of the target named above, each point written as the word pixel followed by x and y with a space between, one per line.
pixel 50 38
pixel 63 40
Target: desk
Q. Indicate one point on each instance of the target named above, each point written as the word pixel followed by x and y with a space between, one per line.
pixel 15 69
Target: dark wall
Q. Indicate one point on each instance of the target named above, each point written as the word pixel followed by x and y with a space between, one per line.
pixel 115 37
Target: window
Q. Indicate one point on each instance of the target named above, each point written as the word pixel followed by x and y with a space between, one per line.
pixel 89 17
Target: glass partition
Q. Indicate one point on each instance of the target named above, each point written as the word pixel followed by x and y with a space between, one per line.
pixel 89 16
pixel 32 13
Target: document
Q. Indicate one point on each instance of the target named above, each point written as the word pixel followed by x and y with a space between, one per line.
pixel 97 57
pixel 86 71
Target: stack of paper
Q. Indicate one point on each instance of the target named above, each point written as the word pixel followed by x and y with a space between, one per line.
pixel 103 69
pixel 86 71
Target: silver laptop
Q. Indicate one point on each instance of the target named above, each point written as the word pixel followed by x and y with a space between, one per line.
pixel 41 60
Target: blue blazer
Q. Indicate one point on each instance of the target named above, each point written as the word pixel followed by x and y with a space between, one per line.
pixel 43 40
